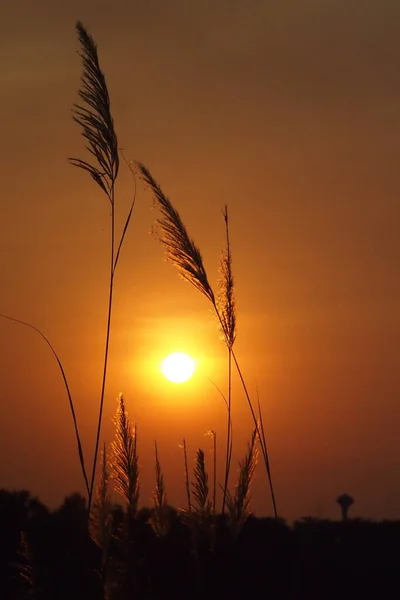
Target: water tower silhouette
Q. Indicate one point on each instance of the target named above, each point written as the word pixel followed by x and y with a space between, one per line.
pixel 345 501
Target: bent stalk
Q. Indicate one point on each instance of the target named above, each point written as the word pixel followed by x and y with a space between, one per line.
pixel 70 400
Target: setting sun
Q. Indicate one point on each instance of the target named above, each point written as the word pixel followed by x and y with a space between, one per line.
pixel 178 367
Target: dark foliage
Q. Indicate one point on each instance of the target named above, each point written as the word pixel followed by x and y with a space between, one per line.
pixel 313 559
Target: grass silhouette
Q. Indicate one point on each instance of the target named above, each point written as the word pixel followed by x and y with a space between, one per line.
pixel 95 119
pixel 183 253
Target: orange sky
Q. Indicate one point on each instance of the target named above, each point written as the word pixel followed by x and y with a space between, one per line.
pixel 288 111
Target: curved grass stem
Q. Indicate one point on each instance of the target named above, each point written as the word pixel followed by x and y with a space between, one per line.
pixel 260 433
pixel 71 403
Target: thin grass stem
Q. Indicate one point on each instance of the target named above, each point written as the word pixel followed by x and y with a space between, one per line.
pixel 229 441
pixel 108 331
pixel 70 400
pixel 264 441
pixel 259 434
pixel 187 482
pixel 95 118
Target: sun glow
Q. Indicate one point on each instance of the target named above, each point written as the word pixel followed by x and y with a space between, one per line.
pixel 178 367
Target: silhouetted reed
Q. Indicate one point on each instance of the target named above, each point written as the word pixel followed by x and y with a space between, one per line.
pixel 227 317
pixel 95 118
pixel 97 124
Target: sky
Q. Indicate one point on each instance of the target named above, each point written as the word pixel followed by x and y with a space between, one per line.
pixel 289 112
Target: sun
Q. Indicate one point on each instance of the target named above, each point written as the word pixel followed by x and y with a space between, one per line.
pixel 178 367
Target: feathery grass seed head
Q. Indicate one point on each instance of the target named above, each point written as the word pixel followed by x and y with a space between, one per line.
pixel 95 117
pixel 124 458
pixel 160 519
pixel 226 298
pixel 180 248
pixel 100 524
pixel 200 485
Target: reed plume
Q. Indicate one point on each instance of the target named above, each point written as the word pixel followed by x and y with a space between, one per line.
pixel 124 459
pixel 159 519
pixel 95 118
pixel 100 516
pixel 226 298
pixel 200 486
pixel 180 248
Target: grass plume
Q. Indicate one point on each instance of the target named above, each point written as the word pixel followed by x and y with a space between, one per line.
pixel 159 520
pixel 124 459
pixel 100 516
pixel 226 297
pixel 200 486
pixel 95 118
pixel 180 248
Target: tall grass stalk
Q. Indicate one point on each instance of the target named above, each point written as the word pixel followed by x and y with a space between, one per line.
pixel 227 318
pixel 67 388
pixel 183 253
pixel 96 121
